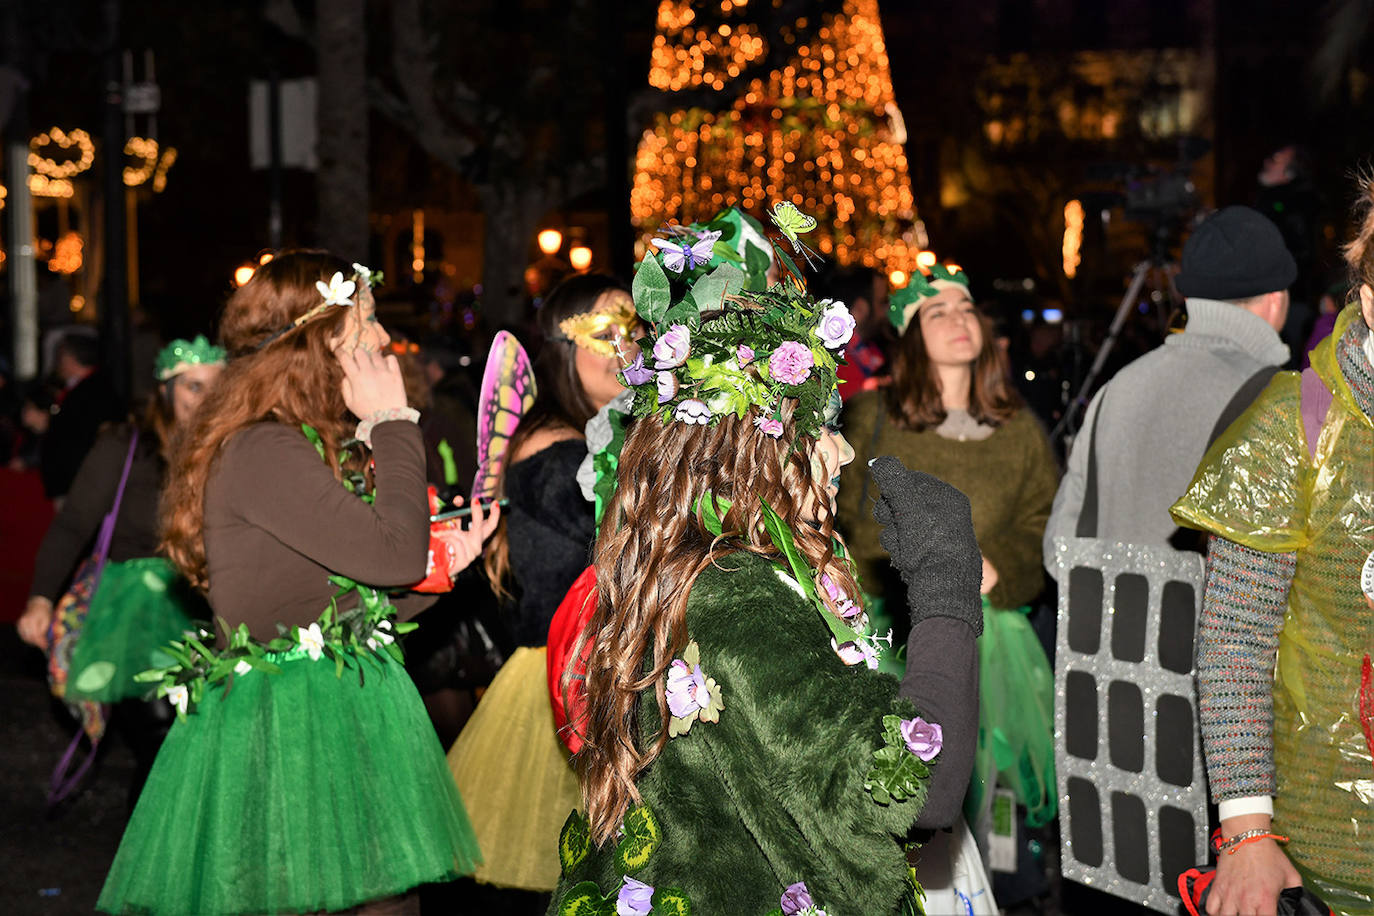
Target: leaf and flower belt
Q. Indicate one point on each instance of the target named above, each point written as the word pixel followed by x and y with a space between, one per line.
pixel 365 633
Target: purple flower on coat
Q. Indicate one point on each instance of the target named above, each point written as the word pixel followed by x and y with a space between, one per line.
pixel 667 386
pixel 768 426
pixel 744 354
pixel 635 898
pixel 836 326
pixel 687 691
pixel 636 373
pixel 791 362
pixel 924 739
pixel 796 901
pixel 671 349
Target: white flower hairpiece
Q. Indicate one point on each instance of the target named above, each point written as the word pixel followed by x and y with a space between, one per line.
pixel 339 290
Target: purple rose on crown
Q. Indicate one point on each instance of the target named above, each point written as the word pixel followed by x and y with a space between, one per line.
pixel 791 363
pixel 693 412
pixel 924 739
pixel 667 386
pixel 636 373
pixel 836 326
pixel 744 354
pixel 635 898
pixel 769 426
pixel 671 349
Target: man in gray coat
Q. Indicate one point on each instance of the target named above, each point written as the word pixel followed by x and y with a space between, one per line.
pixel 1150 425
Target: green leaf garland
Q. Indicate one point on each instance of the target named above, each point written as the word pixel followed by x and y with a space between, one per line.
pixel 574 842
pixel 669 901
pixel 641 838
pixel 585 899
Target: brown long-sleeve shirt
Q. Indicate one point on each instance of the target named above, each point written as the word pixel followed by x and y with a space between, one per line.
pixel 278 524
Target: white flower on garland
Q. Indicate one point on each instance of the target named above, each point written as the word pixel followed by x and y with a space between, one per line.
pixel 692 411
pixel 381 635
pixel 311 640
pixel 180 697
pixel 242 668
pixel 363 273
pixel 338 291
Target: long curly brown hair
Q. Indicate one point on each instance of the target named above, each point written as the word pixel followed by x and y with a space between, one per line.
pixel 294 378
pixel 653 544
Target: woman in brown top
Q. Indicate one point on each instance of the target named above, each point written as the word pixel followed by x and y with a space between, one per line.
pixel 303 774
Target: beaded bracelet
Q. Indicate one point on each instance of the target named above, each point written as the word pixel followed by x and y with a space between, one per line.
pixel 1231 844
pixel 365 426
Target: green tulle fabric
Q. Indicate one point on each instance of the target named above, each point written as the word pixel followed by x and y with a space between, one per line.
pixel 140 606
pixel 294 792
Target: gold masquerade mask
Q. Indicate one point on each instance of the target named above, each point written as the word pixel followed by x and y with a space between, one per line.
pixel 614 317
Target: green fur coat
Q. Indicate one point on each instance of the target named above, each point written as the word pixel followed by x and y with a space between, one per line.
pixel 773 792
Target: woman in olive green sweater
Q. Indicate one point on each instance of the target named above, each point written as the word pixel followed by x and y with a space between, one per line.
pixel 952 413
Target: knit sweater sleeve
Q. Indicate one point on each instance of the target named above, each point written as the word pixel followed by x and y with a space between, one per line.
pixel 1015 549
pixel 1242 614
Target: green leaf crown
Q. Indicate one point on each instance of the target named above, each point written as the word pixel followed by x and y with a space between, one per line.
pixel 903 303
pixel 181 354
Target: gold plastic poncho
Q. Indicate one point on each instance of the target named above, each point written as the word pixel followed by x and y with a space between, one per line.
pixel 1260 485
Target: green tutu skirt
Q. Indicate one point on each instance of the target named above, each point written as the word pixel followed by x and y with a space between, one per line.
pixel 139 607
pixel 294 792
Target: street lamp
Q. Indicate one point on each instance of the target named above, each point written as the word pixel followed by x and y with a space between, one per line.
pixel 580 257
pixel 550 240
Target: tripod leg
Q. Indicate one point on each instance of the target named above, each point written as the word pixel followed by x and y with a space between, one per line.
pixel 1142 270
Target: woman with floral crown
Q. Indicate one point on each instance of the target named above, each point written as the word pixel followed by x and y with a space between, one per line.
pixel 302 773
pixel 740 753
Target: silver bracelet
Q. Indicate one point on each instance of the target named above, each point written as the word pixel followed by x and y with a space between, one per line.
pixel 365 426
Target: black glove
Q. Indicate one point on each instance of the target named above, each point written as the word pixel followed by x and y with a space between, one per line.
pixel 928 533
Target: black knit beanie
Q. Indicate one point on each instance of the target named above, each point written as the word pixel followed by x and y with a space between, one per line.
pixel 1236 253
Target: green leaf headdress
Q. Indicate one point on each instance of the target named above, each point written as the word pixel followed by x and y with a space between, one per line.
pixel 905 302
pixel 180 355
pixel 721 341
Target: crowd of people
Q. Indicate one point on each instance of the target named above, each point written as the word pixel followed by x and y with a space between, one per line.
pixel 769 557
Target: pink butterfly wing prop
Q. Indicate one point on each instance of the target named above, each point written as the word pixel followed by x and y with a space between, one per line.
pixel 507 393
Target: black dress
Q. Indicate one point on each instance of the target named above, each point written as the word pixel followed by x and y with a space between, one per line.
pixel 550 528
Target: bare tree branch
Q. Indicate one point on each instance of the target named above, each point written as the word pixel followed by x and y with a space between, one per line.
pixel 415 74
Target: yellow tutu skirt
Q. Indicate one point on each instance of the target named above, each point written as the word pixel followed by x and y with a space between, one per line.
pixel 515 778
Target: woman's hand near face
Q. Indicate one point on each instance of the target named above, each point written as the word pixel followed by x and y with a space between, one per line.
pixel 372 382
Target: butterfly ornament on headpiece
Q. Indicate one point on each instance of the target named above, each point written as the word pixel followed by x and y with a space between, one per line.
pixel 792 222
pixel 681 255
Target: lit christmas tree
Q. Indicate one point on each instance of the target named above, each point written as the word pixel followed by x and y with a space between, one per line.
pixel 810 119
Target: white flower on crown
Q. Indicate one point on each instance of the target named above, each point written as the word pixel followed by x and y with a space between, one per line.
pixel 363 273
pixel 242 668
pixel 338 291
pixel 311 640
